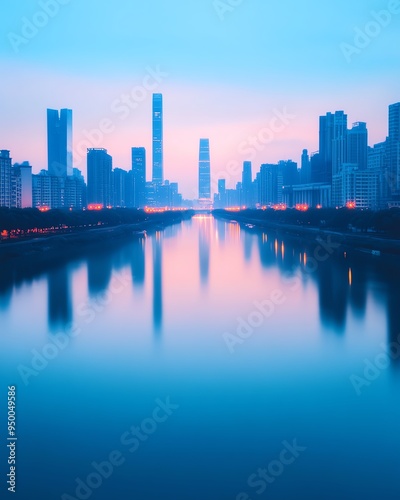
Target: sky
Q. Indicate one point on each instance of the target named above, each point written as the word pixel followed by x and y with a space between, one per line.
pixel 253 76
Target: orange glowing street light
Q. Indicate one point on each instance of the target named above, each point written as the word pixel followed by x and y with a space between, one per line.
pixel 280 206
pixel 303 207
pixel 351 205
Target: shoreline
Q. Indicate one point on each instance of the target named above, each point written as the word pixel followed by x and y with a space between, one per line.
pixel 358 242
pixel 57 248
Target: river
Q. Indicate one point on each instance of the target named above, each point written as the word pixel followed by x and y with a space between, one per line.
pixel 205 361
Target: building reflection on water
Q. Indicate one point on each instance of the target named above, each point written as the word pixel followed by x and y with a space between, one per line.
pixel 346 281
pixel 157 242
pixel 205 229
pixel 59 300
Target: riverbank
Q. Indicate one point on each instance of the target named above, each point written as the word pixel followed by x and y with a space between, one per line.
pixel 362 242
pixel 60 247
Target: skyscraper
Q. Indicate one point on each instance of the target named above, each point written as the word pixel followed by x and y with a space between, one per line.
pixel 59 142
pixel 357 145
pixel 247 184
pixel 158 156
pixel 204 170
pixel 119 185
pixel 332 145
pixel 305 172
pixel 5 178
pixel 99 171
pixel 393 150
pixel 21 179
pixel 394 121
pixel 139 177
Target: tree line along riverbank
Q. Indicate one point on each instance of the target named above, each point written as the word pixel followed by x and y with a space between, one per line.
pixel 363 229
pixel 56 234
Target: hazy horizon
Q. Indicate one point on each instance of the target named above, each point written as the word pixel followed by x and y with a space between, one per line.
pixel 223 76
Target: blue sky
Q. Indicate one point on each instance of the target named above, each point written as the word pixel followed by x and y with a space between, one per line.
pixel 225 76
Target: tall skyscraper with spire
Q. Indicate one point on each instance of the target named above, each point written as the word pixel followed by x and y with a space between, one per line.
pixel 204 170
pixel 59 142
pixel 158 153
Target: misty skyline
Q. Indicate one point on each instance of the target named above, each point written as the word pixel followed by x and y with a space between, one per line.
pixel 221 79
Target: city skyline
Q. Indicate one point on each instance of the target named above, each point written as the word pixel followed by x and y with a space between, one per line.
pixel 225 87
pixel 65 115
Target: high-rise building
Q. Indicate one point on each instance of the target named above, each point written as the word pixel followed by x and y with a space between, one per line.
pixel 158 153
pixel 305 173
pixel 357 145
pixel 22 185
pixel 393 150
pixel 204 170
pixel 119 185
pixel 5 178
pixel 139 177
pixel 75 191
pixel 247 184
pixel 99 171
pixel 394 121
pixel 59 142
pixel 332 145
pixel 48 190
pixel 355 186
pixel 220 197
pixel 270 182
pixel 290 174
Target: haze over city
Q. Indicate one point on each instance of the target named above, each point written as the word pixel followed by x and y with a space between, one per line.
pixel 223 74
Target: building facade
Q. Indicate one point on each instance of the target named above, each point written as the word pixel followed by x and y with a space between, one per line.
pixel 5 178
pixel 158 146
pixel 139 177
pixel 99 181
pixel 59 142
pixel 356 188
pixel 204 170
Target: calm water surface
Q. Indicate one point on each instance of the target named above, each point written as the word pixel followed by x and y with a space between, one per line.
pixel 239 342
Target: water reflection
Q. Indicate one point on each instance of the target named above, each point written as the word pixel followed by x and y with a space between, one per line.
pixel 204 248
pixel 99 268
pixel 59 298
pixel 6 277
pixel 344 278
pixel 346 282
pixel 137 258
pixel 220 230
pixel 248 240
pixel 157 281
